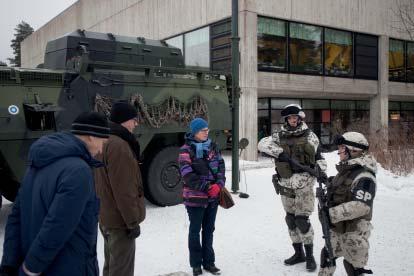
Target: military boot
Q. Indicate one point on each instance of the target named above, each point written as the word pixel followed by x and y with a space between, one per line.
pixel 310 260
pixel 298 257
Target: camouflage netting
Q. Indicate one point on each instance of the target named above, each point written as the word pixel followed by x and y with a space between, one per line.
pixel 156 115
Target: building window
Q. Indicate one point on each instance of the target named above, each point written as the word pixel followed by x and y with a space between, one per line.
pixel 338 53
pixel 305 48
pixel 401 119
pixel 197 48
pixel 271 44
pixel 221 46
pixel 396 59
pixel 366 56
pixel 326 118
pixel 410 61
pixel 176 42
pixel 293 47
pixel 263 117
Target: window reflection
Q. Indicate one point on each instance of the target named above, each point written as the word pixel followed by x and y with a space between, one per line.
pixel 396 60
pixel 176 42
pixel 338 53
pixel 197 48
pixel 305 48
pixel 410 61
pixel 271 44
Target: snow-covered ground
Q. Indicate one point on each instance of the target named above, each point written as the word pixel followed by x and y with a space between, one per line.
pixel 251 238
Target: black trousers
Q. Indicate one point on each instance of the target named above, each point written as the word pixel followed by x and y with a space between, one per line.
pixel 201 219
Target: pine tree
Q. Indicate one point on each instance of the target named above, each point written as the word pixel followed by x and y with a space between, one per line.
pixel 23 30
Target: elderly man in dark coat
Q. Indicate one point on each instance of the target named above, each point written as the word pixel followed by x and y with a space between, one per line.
pixel 119 187
pixel 52 229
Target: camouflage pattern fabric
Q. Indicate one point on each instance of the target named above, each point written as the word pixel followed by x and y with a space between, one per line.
pixel 302 205
pixel 301 183
pixel 353 246
pixel 270 145
pixel 354 209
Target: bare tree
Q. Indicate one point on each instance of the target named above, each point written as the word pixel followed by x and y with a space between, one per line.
pixel 404 12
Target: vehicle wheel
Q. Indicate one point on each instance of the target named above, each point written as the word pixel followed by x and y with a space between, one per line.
pixel 164 183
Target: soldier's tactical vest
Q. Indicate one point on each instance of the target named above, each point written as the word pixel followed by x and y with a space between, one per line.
pixel 339 191
pixel 298 148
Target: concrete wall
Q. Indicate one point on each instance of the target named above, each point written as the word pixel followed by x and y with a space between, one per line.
pixel 34 46
pixel 162 18
pixel 155 19
pixel 290 85
pixel 401 91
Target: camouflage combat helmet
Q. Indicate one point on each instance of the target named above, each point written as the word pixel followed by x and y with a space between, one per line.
pixel 354 141
pixel 293 109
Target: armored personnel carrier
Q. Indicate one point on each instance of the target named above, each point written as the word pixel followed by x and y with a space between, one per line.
pixel 86 71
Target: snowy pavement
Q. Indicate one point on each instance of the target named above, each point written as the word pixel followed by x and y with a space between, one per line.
pixel 251 238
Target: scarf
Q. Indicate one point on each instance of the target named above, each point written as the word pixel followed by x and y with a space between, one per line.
pixel 201 147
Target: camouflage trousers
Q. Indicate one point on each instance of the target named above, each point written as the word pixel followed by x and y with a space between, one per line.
pixel 353 246
pixel 302 205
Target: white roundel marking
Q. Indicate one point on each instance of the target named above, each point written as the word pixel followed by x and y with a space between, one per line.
pixel 13 110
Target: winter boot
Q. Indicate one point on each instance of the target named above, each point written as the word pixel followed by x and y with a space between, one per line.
pixel 197 271
pixel 298 257
pixel 310 260
pixel 212 269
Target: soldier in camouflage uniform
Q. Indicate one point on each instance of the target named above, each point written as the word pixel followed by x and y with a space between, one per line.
pixel 350 195
pixel 296 141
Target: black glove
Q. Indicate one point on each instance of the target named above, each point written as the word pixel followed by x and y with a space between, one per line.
pixel 134 233
pixel 283 157
pixel 264 154
pixel 200 166
pixel 322 177
pixel 6 270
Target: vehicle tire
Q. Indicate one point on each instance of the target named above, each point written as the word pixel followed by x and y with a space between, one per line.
pixel 164 183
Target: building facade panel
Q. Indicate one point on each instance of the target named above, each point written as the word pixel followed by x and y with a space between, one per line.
pixel 399 90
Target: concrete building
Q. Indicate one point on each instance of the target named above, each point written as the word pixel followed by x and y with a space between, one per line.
pixel 345 61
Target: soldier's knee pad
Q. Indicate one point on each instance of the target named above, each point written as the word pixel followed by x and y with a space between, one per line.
pixel 302 223
pixel 290 221
pixel 325 259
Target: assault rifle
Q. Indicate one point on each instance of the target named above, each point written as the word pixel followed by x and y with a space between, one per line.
pixel 323 207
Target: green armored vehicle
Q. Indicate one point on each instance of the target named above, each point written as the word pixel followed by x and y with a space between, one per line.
pixel 86 71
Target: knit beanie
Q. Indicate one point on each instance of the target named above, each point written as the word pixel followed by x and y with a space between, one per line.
pixel 122 111
pixel 198 124
pixel 91 124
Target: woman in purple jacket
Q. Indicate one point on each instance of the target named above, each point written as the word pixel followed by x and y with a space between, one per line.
pixel 203 171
